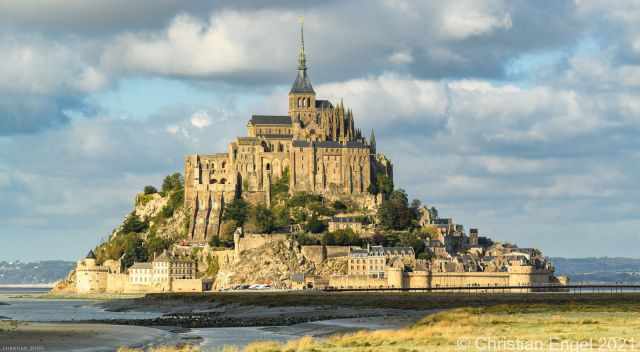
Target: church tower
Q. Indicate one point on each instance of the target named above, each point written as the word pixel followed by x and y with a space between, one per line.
pixel 302 97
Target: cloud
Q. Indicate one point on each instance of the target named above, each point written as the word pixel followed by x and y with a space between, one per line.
pixel 464 19
pixel 200 119
pixel 517 118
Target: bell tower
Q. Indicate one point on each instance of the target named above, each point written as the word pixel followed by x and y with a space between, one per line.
pixel 302 97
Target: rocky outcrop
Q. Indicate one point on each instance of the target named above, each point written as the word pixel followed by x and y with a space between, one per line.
pixel 66 285
pixel 273 263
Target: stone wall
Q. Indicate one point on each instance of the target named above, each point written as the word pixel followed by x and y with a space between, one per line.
pixel 316 254
pixel 252 241
pixel 338 251
pixel 357 281
pixel 186 285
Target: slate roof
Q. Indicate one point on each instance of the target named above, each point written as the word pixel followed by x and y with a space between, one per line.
pixel 302 84
pixel 328 144
pixel 323 104
pixel 141 266
pixel 300 144
pixel 277 136
pixel 91 255
pixel 270 120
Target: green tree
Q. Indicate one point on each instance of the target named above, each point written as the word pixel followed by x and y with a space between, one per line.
pixel 176 200
pixel 314 225
pixel 347 237
pixel 156 245
pixel 260 220
pixel 133 224
pixel 150 190
pixel 383 184
pixel 280 188
pixel 328 239
pixel 237 210
pixel 339 206
pixel 172 182
pixel 412 240
pixel 394 213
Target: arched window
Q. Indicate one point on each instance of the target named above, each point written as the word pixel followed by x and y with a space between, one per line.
pixel 224 164
pixel 308 102
pixel 223 181
pixel 268 167
pixel 213 181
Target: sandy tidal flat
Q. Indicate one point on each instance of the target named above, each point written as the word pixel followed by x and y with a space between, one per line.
pixel 75 337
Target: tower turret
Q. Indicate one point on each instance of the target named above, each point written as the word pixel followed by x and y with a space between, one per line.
pixel 302 97
pixel 372 142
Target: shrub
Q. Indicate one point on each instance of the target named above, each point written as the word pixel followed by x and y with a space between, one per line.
pixel 237 210
pixel 314 225
pixel 150 190
pixel 156 245
pixel 133 224
pixel 339 206
pixel 260 220
pixel 347 237
pixel 176 200
pixel 280 188
pixel 172 182
pixel 394 213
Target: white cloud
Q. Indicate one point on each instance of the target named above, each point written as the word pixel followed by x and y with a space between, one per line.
pixel 200 119
pixel 464 19
pixel 401 57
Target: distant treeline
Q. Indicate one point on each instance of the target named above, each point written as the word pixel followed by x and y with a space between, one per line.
pixel 599 270
pixel 43 272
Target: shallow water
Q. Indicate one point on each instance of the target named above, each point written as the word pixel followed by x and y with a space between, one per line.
pixel 213 339
pixel 40 310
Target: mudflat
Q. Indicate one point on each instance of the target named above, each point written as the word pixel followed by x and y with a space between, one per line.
pixel 66 337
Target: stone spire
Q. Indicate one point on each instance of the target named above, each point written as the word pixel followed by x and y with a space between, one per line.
pixel 302 59
pixel 302 83
pixel 372 142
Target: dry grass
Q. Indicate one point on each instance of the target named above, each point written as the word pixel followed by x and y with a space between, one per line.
pixel 472 329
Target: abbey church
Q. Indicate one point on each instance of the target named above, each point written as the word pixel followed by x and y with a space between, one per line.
pixel 316 145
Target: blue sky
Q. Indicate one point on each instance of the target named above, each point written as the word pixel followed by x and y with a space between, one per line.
pixel 519 118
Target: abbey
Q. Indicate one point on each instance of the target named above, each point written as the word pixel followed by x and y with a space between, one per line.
pixel 316 145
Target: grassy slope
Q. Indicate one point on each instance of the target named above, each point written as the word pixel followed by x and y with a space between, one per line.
pixel 610 319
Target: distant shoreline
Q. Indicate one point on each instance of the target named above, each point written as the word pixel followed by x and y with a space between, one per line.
pixel 50 285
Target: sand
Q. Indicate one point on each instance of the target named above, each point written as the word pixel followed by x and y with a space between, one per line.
pixel 76 337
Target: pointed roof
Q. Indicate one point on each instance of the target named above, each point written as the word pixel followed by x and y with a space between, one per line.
pixel 302 84
pixel 91 255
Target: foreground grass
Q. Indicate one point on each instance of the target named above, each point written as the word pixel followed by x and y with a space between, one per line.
pixel 614 326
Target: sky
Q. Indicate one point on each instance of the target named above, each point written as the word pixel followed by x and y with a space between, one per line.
pixel 520 118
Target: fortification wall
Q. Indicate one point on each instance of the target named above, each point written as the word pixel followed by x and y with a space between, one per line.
pixel 224 257
pixel 116 283
pixel 186 285
pixel 91 281
pixel 252 241
pixel 316 254
pixel 457 279
pixel 356 281
pixel 337 251
pixel 528 276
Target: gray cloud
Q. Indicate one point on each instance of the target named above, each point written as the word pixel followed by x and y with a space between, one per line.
pixel 546 156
